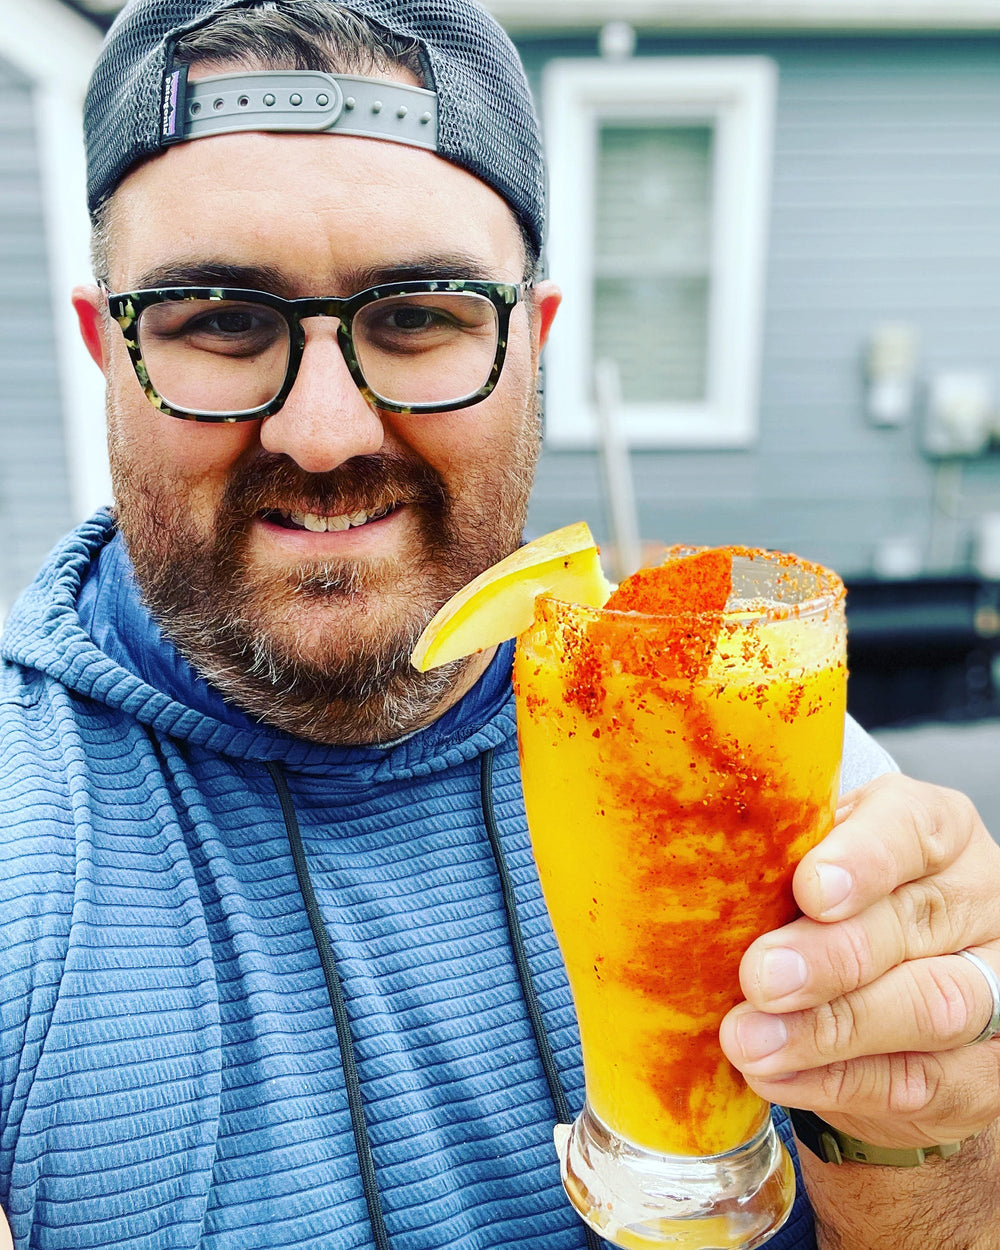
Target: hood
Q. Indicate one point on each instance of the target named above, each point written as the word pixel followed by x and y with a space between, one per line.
pixel 82 624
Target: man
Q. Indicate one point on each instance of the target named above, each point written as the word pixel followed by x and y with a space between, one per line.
pixel 259 982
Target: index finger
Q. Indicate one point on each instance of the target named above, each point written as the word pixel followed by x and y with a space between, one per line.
pixel 892 831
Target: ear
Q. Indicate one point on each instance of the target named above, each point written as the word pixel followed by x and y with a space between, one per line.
pixel 88 303
pixel 547 298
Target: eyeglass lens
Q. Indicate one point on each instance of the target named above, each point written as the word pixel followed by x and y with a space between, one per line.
pixel 219 356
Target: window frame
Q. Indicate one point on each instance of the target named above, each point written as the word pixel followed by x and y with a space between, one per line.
pixel 735 95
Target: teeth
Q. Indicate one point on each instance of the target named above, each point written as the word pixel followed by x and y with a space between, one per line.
pixel 321 524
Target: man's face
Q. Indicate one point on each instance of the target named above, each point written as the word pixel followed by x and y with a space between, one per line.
pixel 311 630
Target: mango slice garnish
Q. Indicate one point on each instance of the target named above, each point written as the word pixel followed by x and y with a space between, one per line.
pixel 500 603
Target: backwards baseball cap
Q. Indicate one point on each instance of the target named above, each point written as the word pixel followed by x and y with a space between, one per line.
pixel 475 111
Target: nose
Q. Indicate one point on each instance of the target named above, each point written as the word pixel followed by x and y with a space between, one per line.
pixel 325 420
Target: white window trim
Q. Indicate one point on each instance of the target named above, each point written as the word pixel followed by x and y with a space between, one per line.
pixel 737 94
pixel 56 49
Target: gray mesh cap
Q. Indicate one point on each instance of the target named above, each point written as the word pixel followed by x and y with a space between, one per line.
pixel 484 117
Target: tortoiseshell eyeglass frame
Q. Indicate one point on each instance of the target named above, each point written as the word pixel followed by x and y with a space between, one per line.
pixel 127 307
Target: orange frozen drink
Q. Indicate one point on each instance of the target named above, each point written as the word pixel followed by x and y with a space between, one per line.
pixel 680 752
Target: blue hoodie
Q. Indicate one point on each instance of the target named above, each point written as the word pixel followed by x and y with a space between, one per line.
pixel 170 1074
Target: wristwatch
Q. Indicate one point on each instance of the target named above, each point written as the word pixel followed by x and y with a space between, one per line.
pixel 832 1146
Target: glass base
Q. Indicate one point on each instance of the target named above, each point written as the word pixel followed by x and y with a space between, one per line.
pixel 641 1200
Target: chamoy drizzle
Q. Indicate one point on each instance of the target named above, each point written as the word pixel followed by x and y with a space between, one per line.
pixel 674 775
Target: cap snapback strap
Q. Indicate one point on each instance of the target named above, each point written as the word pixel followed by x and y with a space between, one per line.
pixel 302 101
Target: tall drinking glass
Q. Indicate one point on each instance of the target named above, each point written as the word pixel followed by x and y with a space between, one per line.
pixel 675 771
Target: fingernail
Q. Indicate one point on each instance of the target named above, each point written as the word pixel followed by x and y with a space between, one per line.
pixel 760 1035
pixel 835 883
pixel 783 971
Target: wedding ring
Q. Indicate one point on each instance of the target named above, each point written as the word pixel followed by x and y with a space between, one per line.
pixel 992 1028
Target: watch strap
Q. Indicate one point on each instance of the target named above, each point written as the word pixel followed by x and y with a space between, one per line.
pixel 832 1146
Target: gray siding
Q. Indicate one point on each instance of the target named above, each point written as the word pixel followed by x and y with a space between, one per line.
pixel 886 206
pixel 34 489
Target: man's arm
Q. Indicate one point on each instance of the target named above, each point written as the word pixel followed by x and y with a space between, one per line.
pixel 860 1011
pixel 947 1204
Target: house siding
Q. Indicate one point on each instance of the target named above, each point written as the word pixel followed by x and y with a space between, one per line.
pixel 34 488
pixel 886 206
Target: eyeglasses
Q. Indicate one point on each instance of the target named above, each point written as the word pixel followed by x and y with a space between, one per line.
pixel 222 354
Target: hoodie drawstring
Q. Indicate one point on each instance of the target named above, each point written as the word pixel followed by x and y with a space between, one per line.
pixel 345 1041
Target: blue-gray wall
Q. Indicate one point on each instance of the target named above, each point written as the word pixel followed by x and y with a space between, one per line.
pixel 34 488
pixel 886 206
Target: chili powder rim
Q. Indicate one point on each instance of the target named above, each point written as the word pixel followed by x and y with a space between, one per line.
pixel 831 592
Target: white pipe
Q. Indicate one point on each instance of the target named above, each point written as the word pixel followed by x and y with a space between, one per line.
pixel 617 469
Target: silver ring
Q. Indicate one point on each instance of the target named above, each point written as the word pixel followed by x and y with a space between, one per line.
pixel 992 1028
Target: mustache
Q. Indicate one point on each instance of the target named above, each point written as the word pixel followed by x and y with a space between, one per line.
pixel 271 483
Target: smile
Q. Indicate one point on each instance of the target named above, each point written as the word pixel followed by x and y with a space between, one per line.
pixel 317 524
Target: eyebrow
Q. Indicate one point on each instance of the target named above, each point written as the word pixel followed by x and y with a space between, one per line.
pixel 436 267
pixel 210 273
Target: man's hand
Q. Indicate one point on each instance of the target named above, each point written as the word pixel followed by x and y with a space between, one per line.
pixel 873 1035
pixel 860 1010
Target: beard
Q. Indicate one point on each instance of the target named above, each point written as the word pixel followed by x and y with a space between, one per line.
pixel 319 649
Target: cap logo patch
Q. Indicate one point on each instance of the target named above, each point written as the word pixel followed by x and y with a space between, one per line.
pixel 173 95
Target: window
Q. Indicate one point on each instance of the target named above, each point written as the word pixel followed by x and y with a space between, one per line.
pixel 660 172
